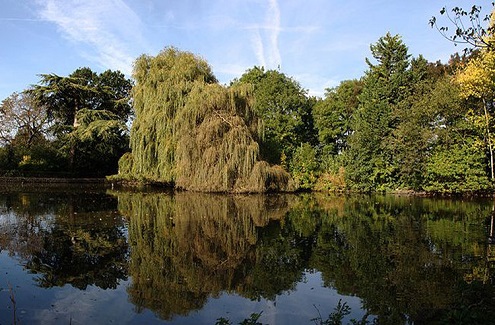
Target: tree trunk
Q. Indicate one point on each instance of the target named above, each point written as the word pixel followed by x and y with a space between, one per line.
pixel 72 152
pixel 490 145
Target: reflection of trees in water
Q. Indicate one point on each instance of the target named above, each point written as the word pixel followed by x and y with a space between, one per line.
pixel 405 257
pixel 74 238
pixel 20 224
pixel 90 249
pixel 422 260
pixel 282 252
pixel 188 247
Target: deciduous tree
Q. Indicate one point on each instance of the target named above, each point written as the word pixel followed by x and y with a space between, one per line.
pixel 333 115
pixel 285 108
pixel 192 132
pixel 467 26
pixel 20 115
pixel 477 80
pixel 24 137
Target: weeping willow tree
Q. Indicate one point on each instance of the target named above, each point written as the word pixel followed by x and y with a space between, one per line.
pixel 194 133
pixel 188 247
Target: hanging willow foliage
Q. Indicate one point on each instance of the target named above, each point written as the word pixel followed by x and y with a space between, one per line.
pixel 188 247
pixel 194 133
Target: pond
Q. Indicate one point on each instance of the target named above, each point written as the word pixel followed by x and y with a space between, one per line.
pixel 86 254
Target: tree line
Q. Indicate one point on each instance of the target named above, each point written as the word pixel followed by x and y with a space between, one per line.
pixel 406 124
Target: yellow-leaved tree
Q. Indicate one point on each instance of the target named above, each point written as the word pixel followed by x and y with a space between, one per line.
pixel 477 81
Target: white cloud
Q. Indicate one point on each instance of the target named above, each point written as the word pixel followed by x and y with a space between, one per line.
pixel 264 37
pixel 110 29
pixel 274 58
pixel 258 48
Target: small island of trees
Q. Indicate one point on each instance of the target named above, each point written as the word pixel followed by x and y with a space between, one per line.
pixel 406 125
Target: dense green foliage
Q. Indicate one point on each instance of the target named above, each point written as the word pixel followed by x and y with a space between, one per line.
pixel 408 128
pixel 285 110
pixel 406 124
pixel 162 85
pixel 333 116
pixel 97 142
pixel 372 164
pixel 63 97
pixel 66 126
pixel 194 133
pixel 403 126
pixel 24 127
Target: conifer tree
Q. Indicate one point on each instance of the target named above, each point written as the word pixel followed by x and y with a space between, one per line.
pixel 371 164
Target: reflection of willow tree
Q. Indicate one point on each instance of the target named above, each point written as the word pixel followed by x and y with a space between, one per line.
pixel 406 258
pixel 74 238
pixel 189 247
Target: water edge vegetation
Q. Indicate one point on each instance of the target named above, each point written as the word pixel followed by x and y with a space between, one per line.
pixel 406 125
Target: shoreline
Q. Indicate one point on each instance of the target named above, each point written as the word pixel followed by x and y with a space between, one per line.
pixel 51 180
pixel 22 180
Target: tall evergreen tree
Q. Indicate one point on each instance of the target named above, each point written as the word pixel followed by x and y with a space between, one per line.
pixel 411 139
pixel 105 98
pixel 371 163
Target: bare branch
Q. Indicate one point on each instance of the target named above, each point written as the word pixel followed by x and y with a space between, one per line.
pixel 470 33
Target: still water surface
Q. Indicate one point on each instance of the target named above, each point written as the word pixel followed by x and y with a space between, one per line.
pixel 93 255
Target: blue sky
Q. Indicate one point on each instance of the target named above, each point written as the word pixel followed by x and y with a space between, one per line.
pixel 317 42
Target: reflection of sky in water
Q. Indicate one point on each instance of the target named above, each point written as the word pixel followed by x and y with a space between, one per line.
pixel 63 305
pixel 295 307
pixel 68 305
pixel 395 264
